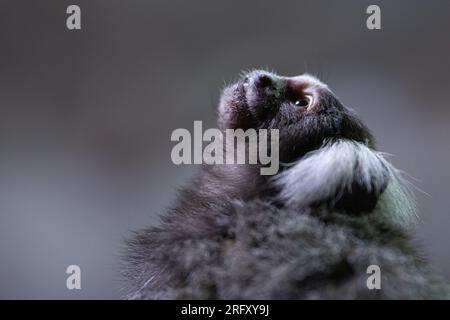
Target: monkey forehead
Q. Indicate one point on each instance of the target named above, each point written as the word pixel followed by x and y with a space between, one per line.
pixel 303 80
pixel 306 80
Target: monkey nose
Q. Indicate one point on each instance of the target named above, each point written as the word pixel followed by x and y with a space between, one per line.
pixel 263 81
pixel 258 80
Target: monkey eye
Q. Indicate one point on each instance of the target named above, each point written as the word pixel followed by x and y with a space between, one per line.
pixel 302 102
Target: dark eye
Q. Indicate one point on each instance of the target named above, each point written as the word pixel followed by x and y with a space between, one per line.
pixel 302 102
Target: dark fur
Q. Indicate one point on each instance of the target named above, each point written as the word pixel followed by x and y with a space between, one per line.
pixel 231 236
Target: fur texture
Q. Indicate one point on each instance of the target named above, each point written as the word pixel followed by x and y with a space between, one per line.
pixel 310 232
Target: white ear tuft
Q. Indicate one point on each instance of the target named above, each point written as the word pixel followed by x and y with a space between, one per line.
pixel 326 174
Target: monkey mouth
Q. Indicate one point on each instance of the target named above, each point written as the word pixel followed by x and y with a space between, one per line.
pixel 245 83
pixel 240 94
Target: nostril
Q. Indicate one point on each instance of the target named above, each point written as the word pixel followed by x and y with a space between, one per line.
pixel 263 81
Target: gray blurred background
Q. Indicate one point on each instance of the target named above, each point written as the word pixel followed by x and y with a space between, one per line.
pixel 86 116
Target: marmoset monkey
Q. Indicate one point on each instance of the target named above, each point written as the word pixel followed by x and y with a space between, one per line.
pixel 311 231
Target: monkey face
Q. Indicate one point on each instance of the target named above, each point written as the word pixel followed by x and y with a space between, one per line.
pixel 302 108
